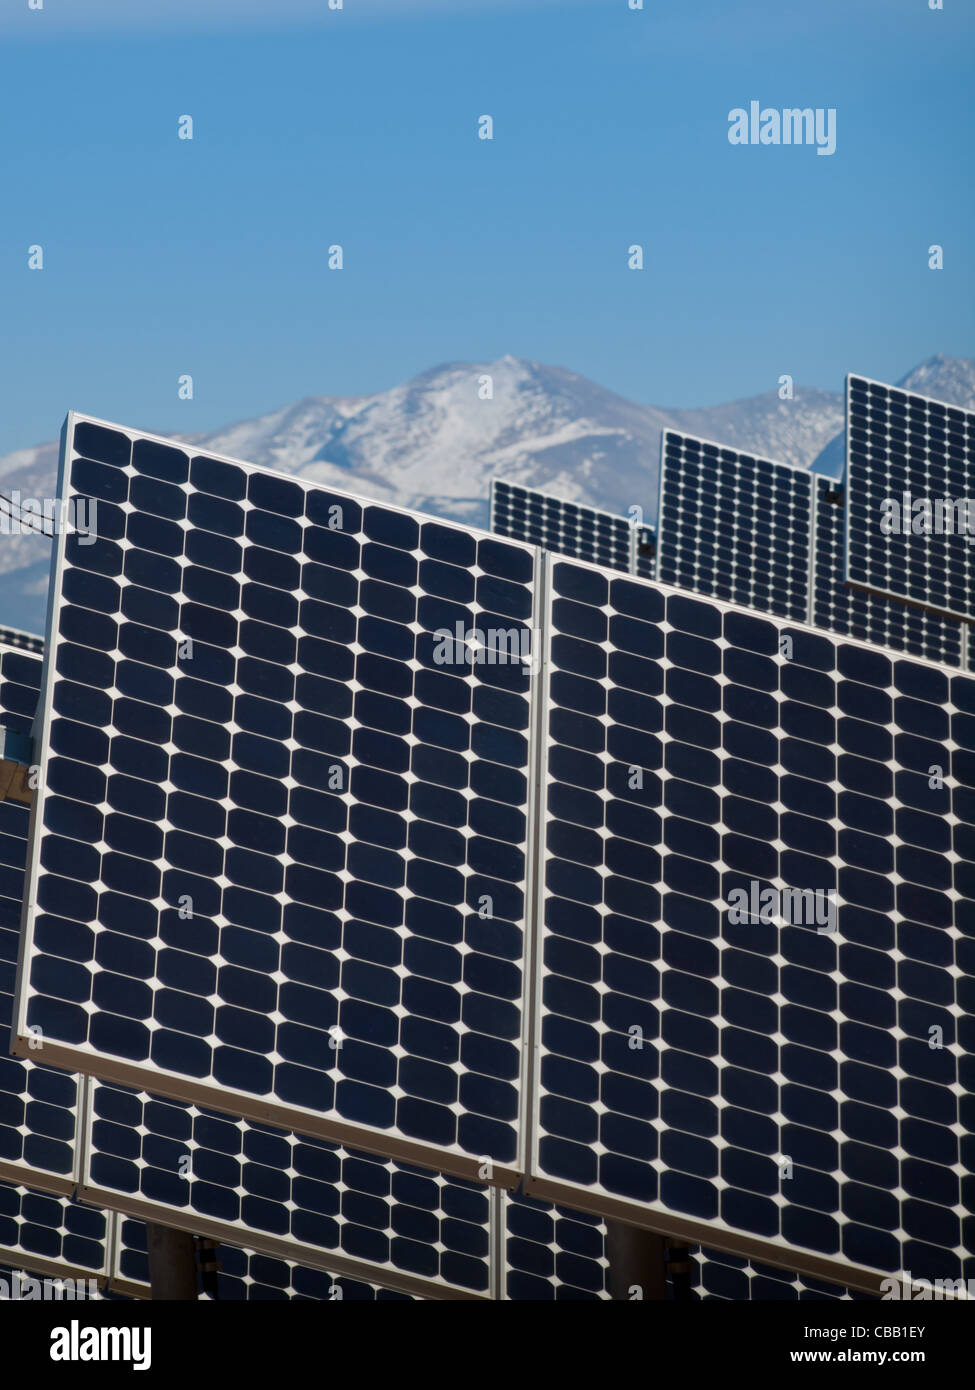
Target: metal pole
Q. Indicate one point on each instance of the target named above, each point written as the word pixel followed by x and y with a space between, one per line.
pixel 172 1262
pixel 637 1260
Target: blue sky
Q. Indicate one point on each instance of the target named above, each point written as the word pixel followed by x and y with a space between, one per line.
pixel 313 127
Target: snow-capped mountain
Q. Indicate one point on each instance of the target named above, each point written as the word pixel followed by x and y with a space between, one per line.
pixel 436 442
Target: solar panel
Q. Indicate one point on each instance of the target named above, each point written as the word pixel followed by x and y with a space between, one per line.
pixel 552 1253
pixel 51 1235
pixel 734 526
pixel 245 1275
pixel 840 608
pixel 793 1093
pixel 911 512
pixel 566 528
pixel 38 1105
pixel 303 1200
pixel 280 861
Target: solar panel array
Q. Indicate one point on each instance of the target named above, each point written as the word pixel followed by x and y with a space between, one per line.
pixel 281 856
pixel 771 1083
pixel 49 1234
pixel 349 962
pixel 303 1200
pixel 840 608
pixel 734 526
pixel 565 528
pixel 904 449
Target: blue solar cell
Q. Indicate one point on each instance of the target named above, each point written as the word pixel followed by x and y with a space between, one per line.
pixel 909 515
pixel 734 526
pixel 690 1056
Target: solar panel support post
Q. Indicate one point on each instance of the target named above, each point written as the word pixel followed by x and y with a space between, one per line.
pixel 637 1263
pixel 172 1263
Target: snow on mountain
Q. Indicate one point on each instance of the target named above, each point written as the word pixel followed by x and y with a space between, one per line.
pixel 435 442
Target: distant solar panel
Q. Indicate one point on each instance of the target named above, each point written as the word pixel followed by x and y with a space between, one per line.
pixel 280 861
pixel 565 528
pixel 911 509
pixel 300 1199
pixel 793 1090
pixel 552 1253
pixel 38 1105
pixel 839 607
pixel 244 1275
pixel 22 641
pixel 734 526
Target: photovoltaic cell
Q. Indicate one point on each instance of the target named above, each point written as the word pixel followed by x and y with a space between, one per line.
pixel 734 526
pixel 302 1200
pixel 565 528
pixel 245 1275
pixel 38 1105
pixel 280 861
pixel 905 449
pixel 776 1085
pixel 850 612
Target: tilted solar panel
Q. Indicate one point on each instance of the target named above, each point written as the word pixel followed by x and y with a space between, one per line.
pixel 734 526
pixel 796 1087
pixel 850 612
pixel 22 641
pixel 280 863
pixel 565 528
pixel 299 1199
pixel 911 499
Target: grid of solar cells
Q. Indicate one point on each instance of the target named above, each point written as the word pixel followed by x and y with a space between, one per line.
pixel 552 1253
pixel 725 1276
pixel 245 1275
pixel 296 1197
pixel 734 526
pixel 49 1234
pixel 904 449
pixel 281 812
pixel 38 1105
pixel 23 641
pixel 775 1084
pixel 839 607
pixel 566 528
